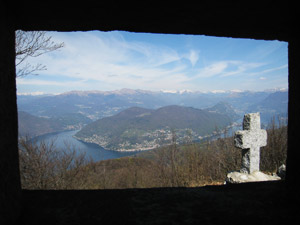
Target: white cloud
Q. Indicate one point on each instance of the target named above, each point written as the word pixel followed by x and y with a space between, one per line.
pixel 193 57
pixel 213 69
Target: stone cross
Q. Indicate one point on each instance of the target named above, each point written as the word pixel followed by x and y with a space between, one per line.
pixel 250 139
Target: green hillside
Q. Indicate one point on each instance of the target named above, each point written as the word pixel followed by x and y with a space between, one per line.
pixel 140 129
pixel 32 126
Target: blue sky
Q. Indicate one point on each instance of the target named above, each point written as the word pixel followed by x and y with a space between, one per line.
pixel 113 60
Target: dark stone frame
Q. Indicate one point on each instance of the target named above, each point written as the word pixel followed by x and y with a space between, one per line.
pixel 268 20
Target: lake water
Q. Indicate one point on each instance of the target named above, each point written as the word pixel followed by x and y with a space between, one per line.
pixel 94 151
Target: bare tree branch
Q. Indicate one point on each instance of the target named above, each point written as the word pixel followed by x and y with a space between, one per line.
pixel 32 44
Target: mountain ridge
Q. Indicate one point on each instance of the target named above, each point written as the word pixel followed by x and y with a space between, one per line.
pixel 100 104
pixel 141 129
pixel 31 126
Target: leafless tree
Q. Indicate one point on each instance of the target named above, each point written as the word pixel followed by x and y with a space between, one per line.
pixel 43 166
pixel 32 44
pixel 274 154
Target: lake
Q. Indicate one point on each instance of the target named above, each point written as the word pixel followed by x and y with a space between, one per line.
pixel 94 151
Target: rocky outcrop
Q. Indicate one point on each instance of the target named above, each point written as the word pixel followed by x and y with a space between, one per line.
pixel 257 176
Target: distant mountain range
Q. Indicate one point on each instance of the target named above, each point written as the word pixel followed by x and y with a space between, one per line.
pixel 275 105
pixel 140 129
pixel 99 104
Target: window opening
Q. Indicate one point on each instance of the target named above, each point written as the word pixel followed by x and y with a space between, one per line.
pixel 125 110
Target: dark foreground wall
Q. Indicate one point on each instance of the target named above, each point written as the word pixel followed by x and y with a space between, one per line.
pixel 293 112
pixel 270 20
pixel 9 173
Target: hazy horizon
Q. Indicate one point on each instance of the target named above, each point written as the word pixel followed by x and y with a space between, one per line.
pixel 164 91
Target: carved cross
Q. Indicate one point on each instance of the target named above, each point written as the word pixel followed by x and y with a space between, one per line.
pixel 250 139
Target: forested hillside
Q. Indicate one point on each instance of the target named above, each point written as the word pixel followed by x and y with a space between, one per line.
pixel 32 126
pixel 140 129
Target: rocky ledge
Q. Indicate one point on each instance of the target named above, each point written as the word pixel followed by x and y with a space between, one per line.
pixel 257 176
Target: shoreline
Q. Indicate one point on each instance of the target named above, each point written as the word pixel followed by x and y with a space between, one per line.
pixel 230 129
pixel 119 150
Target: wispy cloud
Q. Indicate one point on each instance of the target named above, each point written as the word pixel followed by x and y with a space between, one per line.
pixel 269 70
pixel 266 49
pixel 213 69
pixel 242 68
pixel 193 57
pixel 114 61
pixel 228 68
pixel 99 60
pixel 39 82
pixel 225 69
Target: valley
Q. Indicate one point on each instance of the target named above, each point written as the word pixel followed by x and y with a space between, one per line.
pixel 131 120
